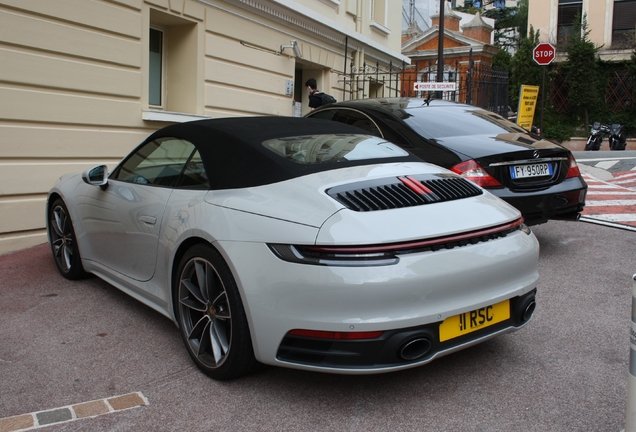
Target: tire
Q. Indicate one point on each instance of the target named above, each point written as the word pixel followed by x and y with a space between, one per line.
pixel 618 144
pixel 211 316
pixel 63 242
pixel 591 144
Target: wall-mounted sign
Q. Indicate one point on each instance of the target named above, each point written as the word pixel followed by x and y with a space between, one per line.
pixel 434 86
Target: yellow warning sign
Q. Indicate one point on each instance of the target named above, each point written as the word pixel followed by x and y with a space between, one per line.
pixel 527 104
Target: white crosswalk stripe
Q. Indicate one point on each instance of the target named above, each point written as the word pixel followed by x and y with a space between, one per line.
pixel 606 164
pixel 611 202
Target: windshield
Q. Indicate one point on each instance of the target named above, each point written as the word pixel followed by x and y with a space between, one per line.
pixel 316 149
pixel 439 122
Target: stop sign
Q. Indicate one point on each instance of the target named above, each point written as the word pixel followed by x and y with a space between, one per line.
pixel 544 54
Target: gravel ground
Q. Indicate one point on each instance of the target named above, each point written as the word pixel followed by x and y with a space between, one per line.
pixel 63 343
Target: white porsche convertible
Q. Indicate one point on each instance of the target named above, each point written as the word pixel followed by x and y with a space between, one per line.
pixel 299 243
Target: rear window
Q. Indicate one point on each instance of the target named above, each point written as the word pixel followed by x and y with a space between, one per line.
pixel 317 149
pixel 433 122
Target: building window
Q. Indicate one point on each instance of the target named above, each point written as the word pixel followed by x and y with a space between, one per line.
pixel 623 24
pixel 173 62
pixel 378 11
pixel 155 72
pixel 569 10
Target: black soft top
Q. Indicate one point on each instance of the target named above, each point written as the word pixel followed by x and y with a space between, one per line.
pixel 234 157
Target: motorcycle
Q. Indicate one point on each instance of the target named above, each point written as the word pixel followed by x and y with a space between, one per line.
pixel 617 138
pixel 595 139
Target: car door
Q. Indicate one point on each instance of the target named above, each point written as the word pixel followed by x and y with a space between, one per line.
pixel 122 222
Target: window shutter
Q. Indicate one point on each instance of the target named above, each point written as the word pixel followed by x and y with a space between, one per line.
pixel 624 15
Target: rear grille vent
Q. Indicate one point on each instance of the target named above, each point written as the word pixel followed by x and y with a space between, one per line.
pixel 403 192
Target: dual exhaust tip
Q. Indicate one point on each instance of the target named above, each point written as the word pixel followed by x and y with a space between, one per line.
pixel 418 347
pixel 415 349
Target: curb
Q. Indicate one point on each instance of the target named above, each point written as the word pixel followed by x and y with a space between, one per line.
pixel 578 144
pixel 36 420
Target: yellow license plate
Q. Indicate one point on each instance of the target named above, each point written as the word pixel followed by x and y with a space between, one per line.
pixel 478 319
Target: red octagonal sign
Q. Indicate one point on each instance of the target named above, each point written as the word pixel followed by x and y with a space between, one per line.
pixel 544 54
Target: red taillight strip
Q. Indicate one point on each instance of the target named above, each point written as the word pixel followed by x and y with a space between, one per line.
pixel 415 186
pixel 396 247
pixel 335 335
pixel 573 168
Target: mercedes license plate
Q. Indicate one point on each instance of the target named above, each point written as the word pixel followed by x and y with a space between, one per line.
pixel 532 170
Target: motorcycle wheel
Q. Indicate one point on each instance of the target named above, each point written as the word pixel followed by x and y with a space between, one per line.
pixel 617 144
pixel 621 143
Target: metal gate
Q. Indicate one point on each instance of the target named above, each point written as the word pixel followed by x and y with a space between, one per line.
pixel 371 81
pixel 478 85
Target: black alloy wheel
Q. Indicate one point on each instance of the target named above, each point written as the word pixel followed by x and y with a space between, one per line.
pixel 63 242
pixel 211 315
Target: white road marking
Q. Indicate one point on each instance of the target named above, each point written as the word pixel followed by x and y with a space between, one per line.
pixel 597 203
pixel 626 175
pixel 595 192
pixel 622 182
pixel 606 164
pixel 604 159
pixel 606 193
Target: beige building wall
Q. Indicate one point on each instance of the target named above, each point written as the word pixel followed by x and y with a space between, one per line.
pixel 543 16
pixel 74 78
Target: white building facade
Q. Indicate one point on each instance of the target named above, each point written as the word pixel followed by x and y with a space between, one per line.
pixel 611 23
pixel 82 82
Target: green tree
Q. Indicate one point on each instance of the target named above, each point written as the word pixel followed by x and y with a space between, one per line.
pixel 581 72
pixel 511 24
pixel 523 69
pixel 522 19
pixel 502 60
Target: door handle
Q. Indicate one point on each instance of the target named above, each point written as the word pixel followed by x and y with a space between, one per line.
pixel 149 220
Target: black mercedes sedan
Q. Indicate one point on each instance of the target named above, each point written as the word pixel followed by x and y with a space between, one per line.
pixel 538 177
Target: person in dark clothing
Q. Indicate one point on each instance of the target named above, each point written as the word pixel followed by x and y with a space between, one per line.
pixel 314 94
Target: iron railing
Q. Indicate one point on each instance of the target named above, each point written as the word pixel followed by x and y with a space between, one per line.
pixel 476 85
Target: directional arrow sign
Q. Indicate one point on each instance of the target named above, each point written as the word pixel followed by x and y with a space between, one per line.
pixel 544 54
pixel 435 86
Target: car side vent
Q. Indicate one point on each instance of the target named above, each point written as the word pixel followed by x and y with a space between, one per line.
pixel 401 192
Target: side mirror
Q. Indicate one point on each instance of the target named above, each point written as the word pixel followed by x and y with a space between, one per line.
pixel 96 176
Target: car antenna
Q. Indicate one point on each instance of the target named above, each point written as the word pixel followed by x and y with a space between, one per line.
pixel 427 101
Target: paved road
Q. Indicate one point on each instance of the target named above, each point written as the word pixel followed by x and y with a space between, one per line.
pixel 609 161
pixel 64 343
pixel 611 179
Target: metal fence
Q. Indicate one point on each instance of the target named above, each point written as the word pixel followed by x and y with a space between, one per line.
pixel 477 85
pixel 371 81
pixel 619 95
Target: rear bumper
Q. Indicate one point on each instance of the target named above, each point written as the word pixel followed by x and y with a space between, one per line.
pixel 415 294
pixel 562 201
pixel 396 348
